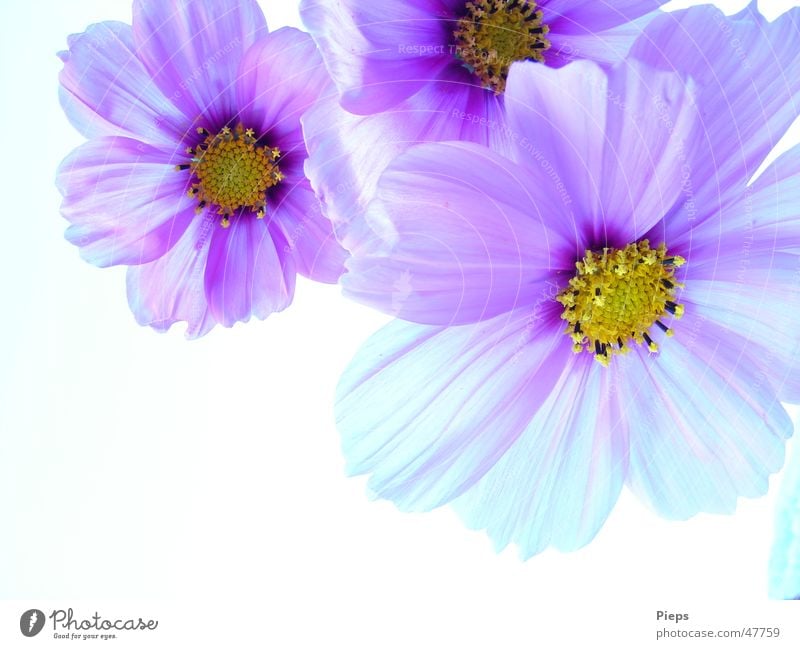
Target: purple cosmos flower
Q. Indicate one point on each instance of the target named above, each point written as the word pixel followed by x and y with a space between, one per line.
pixel 614 305
pixel 381 52
pixel 438 67
pixel 193 174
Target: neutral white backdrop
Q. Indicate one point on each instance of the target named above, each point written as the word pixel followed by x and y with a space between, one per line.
pixel 206 477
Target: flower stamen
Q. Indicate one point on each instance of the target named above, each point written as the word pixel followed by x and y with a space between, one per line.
pixel 616 296
pixel 495 33
pixel 232 172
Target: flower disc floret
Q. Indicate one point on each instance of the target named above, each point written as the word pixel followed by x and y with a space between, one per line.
pixel 495 33
pixel 233 172
pixel 616 296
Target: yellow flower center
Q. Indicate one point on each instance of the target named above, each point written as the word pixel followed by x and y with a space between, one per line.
pixel 495 33
pixel 616 296
pixel 232 172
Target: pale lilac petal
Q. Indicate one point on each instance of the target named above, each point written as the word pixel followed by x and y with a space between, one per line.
pixel 309 235
pixel 705 428
pixel 380 52
pixel 348 153
pixel 459 234
pixel 193 50
pixel 580 16
pixel 761 221
pixel 280 78
pixel 428 410
pixel 651 133
pixel 606 47
pixel 566 144
pixel 557 483
pixel 747 72
pixel 760 315
pixel 124 200
pixel 171 289
pixel 247 273
pixel 106 90
pixel 621 150
pixel 742 267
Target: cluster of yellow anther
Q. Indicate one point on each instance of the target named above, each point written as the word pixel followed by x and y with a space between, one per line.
pixel 233 172
pixel 617 295
pixel 495 33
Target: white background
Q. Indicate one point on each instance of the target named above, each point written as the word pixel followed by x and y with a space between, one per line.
pixel 202 484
